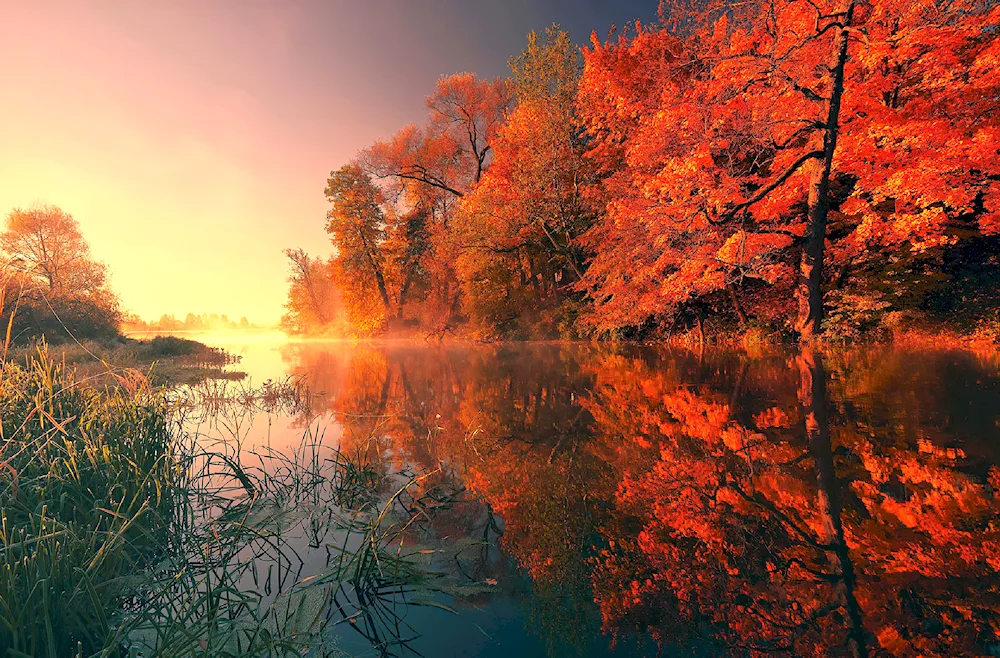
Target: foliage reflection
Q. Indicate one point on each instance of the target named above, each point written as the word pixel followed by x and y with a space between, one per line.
pixel 711 501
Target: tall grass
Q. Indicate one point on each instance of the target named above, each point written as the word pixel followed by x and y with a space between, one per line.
pixel 123 535
pixel 89 489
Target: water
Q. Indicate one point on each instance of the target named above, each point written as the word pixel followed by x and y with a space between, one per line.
pixel 635 501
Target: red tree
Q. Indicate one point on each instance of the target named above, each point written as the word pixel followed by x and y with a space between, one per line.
pixel 728 144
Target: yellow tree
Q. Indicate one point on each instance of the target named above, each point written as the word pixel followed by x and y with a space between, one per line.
pixel 52 279
pixel 314 303
pixel 517 229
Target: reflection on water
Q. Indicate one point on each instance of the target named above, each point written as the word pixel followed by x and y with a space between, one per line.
pixel 634 501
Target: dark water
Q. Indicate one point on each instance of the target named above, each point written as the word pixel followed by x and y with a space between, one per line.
pixel 629 501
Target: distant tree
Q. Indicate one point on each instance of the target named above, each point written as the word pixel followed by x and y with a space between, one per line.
pixel 314 304
pixel 191 322
pixel 132 322
pixel 52 286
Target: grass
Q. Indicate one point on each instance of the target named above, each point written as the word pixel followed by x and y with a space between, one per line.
pixel 125 535
pixel 90 485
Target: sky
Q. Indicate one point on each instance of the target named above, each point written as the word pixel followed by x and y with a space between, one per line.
pixel 192 139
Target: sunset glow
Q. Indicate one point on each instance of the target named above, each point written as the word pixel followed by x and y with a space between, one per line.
pixel 192 140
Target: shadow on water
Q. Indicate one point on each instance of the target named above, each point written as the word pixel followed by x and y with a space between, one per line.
pixel 592 500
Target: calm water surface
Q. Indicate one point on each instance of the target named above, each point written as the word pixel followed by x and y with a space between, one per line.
pixel 630 501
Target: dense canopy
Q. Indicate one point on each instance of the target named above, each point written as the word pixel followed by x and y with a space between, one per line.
pixel 793 165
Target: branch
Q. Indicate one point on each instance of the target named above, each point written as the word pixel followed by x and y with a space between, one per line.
pixel 572 263
pixel 811 125
pixel 767 189
pixel 423 177
pixel 805 91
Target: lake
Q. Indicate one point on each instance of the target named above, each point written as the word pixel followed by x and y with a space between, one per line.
pixel 603 500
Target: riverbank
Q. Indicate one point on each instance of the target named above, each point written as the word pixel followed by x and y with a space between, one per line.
pixel 124 535
pixel 756 339
pixel 752 338
pixel 165 360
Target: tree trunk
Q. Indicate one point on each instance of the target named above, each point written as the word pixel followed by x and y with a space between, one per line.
pixel 379 279
pixel 317 307
pixel 734 298
pixel 404 292
pixel 810 293
pixel 534 279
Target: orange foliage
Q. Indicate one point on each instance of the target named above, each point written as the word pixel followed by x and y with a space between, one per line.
pixel 712 139
pixel 790 161
pixel 681 494
pixel 516 230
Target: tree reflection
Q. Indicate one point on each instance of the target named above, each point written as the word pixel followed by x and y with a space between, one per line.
pixel 802 504
pixel 794 533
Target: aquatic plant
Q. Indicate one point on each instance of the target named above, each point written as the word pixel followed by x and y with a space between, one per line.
pixel 123 534
pixel 89 490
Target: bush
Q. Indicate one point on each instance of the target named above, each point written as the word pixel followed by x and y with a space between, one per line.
pixel 60 320
pixel 849 316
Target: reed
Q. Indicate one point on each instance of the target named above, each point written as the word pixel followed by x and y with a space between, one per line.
pixel 90 487
pixel 125 534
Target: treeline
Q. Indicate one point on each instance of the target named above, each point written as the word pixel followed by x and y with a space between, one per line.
pixel 792 165
pixel 190 322
pixel 49 284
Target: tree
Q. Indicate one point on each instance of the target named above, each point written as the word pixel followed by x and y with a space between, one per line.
pixel 379 248
pixel 52 286
pixel 45 243
pixel 763 121
pixel 357 226
pixel 663 174
pixel 917 155
pixel 470 112
pixel 450 153
pixel 425 169
pixel 407 247
pixel 314 304
pixel 518 228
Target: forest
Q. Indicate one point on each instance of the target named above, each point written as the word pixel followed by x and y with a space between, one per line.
pixel 190 322
pixel 782 169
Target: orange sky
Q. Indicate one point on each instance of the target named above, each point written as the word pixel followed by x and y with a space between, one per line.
pixel 192 139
